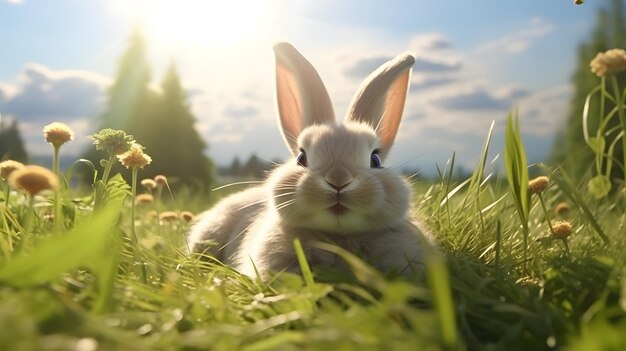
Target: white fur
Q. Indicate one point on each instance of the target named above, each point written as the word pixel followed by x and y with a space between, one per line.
pixel 337 198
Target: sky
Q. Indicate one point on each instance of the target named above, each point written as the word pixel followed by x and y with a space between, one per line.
pixel 475 61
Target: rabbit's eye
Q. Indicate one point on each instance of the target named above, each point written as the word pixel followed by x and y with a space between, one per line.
pixel 375 161
pixel 301 158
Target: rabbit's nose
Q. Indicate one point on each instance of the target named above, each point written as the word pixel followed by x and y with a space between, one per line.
pixel 338 178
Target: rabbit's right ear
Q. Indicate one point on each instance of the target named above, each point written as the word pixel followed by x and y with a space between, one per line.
pixel 301 97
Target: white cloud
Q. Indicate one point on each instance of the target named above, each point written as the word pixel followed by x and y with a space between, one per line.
pixel 43 94
pixel 430 42
pixel 518 41
pixel 40 96
pixel 13 2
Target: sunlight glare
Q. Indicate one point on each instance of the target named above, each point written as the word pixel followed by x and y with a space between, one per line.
pixel 176 23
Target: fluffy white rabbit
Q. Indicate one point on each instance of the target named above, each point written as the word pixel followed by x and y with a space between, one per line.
pixel 334 188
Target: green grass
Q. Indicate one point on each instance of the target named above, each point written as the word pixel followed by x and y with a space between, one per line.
pixel 495 283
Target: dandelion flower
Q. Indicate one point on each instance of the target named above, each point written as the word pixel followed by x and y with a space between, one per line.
pixel 113 142
pixel 608 62
pixel 149 184
pixel 160 180
pixel 538 185
pixel 134 157
pixel 561 230
pixel 168 216
pixel 144 199
pixel 8 167
pixel 58 133
pixel 562 209
pixel 34 179
pixel 187 216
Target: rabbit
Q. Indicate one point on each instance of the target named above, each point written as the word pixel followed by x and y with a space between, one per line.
pixel 334 188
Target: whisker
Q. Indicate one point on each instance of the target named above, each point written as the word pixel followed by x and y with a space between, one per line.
pixel 237 236
pixel 285 204
pixel 237 183
pixel 268 160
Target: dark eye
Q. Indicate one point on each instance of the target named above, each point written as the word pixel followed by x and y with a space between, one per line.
pixel 375 161
pixel 301 158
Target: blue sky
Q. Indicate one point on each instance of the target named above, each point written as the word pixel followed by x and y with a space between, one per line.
pixel 476 59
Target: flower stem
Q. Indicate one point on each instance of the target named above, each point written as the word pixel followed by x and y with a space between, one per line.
pixel 107 169
pixel 57 192
pixel 28 221
pixel 566 246
pixel 133 232
pixel 622 119
pixel 545 212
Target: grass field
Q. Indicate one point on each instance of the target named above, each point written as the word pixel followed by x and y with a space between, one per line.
pixel 496 283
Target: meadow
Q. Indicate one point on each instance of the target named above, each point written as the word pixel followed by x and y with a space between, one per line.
pixel 521 264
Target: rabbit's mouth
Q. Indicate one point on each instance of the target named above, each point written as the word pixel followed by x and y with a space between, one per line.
pixel 338 209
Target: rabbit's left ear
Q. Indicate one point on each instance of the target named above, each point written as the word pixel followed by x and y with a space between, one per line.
pixel 380 99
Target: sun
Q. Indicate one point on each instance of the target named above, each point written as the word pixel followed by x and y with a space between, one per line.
pixel 200 23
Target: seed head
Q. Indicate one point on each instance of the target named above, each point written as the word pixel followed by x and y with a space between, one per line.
pixel 562 209
pixel 148 184
pixel 578 2
pixel 58 133
pixel 608 62
pixel 112 141
pixel 7 167
pixel 562 229
pixel 33 179
pixel 187 216
pixel 168 216
pixel 144 199
pixel 134 157
pixel 160 180
pixel 538 185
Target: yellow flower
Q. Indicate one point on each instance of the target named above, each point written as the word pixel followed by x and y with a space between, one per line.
pixel 7 167
pixel 608 62
pixel 134 157
pixel 33 179
pixel 562 230
pixel 149 184
pixel 58 133
pixel 538 185
pixel 144 199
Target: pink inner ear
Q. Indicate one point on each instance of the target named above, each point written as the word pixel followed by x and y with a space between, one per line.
pixel 394 106
pixel 289 106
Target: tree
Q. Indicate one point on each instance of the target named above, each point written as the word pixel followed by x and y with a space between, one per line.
pixel 570 150
pixel 235 169
pixel 11 144
pixel 171 139
pixel 161 122
pixel 130 100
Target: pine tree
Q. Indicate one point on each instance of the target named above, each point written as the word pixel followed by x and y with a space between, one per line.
pixel 130 100
pixel 235 169
pixel 162 123
pixel 570 150
pixel 11 144
pixel 170 137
